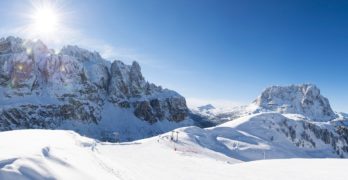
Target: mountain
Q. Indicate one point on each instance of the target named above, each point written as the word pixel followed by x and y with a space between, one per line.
pixel 79 90
pixel 67 155
pixel 303 99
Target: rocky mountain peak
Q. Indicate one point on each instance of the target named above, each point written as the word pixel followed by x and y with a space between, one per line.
pixel 80 54
pixel 75 85
pixel 302 99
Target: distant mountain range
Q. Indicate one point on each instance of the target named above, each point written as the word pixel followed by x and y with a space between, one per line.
pixel 304 100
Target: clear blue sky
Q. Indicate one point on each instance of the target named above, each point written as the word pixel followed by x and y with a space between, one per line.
pixel 221 50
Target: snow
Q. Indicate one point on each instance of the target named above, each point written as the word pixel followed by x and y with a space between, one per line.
pixel 59 154
pixel 39 154
pixel 290 169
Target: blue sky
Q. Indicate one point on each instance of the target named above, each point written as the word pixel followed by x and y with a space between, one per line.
pixel 224 51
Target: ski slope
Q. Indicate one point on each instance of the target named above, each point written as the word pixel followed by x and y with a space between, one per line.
pixel 58 154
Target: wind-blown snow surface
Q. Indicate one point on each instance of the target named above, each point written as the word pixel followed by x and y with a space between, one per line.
pixel 58 154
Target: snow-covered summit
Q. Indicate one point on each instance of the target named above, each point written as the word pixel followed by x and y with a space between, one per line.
pixel 206 107
pixel 302 99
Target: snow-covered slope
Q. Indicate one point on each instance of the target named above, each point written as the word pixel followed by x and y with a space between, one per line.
pixel 271 136
pixel 284 122
pixel 78 89
pixel 54 154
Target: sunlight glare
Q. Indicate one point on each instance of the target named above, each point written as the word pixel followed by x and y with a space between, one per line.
pixel 45 20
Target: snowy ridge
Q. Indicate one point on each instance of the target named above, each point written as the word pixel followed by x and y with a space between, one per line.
pixel 270 136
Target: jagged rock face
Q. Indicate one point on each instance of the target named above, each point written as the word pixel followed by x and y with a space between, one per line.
pixel 126 81
pixel 129 88
pixel 74 84
pixel 297 99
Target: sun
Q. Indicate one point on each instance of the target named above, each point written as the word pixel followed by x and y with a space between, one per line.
pixel 50 21
pixel 45 20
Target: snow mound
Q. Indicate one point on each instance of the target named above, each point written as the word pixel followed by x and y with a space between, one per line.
pixel 45 154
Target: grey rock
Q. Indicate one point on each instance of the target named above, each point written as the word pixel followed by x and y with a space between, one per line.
pixel 302 99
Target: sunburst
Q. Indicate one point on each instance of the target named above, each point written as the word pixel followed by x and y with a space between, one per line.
pixel 45 20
